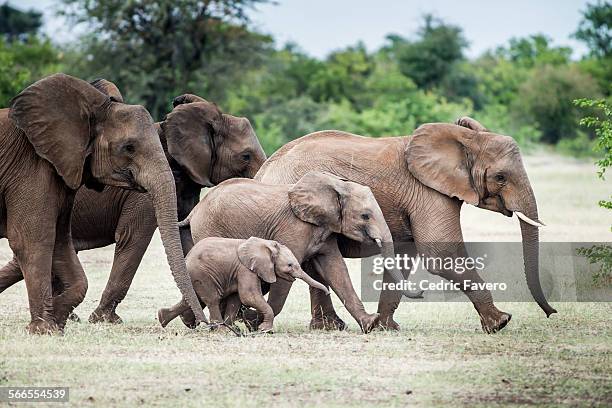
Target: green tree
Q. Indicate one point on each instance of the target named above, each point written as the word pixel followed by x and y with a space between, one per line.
pixel 545 99
pixel 602 125
pixel 535 50
pixel 595 31
pixel 344 76
pixel 155 49
pixel 22 63
pixel 17 24
pixel 429 58
pixel 596 28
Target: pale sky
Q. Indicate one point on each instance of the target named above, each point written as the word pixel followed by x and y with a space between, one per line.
pixel 321 26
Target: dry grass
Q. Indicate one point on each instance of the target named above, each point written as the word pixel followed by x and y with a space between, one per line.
pixel 440 357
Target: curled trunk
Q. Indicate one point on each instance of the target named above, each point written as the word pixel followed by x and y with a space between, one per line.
pixel 306 278
pixel 162 191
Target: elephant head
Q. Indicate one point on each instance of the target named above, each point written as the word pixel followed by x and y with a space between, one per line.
pixel 269 259
pixel 484 169
pixel 88 135
pixel 211 146
pixel 347 208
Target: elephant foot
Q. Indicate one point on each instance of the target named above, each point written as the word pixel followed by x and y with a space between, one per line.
pixel 327 322
pixel 42 327
pixel 266 328
pixel 387 323
pixel 163 317
pixel 494 322
pixel 74 317
pixel 188 319
pixel 105 316
pixel 369 322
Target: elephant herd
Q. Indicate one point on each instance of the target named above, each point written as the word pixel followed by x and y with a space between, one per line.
pixel 81 169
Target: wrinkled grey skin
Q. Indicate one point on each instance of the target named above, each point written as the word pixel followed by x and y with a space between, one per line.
pixel 127 217
pixel 307 217
pixel 228 272
pixel 420 183
pixel 58 134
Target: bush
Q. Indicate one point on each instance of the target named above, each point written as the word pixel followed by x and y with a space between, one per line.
pixel 603 129
pixel 546 100
pixel 22 63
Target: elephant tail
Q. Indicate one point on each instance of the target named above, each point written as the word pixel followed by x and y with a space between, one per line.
pixel 185 223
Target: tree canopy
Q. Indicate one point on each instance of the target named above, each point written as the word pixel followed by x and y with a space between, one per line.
pixel 155 50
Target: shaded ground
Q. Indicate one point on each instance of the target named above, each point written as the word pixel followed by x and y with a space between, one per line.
pixel 440 357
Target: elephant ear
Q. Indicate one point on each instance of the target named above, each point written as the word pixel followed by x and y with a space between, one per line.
pixel 186 98
pixel 470 123
pixel 439 155
pixel 108 88
pixel 192 130
pixel 58 116
pixel 259 256
pixel 318 198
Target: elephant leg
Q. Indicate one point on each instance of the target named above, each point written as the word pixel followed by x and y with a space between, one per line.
pixel 279 291
pixel 68 274
pixel 10 274
pixel 330 265
pixel 232 308
pixel 263 308
pixel 389 300
pixel 214 309
pixel 133 236
pixel 440 237
pixel 36 262
pixel 166 315
pixel 31 231
pixel 324 316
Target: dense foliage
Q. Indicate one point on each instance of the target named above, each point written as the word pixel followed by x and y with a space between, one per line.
pixel 600 254
pixel 155 50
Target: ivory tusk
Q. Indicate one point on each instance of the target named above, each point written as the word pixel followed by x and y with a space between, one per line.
pixel 378 242
pixel 528 220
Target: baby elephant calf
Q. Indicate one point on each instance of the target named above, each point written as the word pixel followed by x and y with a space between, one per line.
pixel 221 267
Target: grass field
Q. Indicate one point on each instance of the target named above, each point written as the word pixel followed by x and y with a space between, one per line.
pixel 440 357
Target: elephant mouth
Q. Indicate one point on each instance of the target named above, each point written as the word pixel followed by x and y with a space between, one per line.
pixel 124 178
pixel 495 203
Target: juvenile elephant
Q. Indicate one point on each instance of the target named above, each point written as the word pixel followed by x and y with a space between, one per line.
pixel 58 134
pixel 307 217
pixel 420 183
pixel 203 147
pixel 221 267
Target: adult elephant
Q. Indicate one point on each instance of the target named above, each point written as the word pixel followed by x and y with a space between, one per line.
pixel 203 146
pixel 420 183
pixel 59 133
pixel 307 217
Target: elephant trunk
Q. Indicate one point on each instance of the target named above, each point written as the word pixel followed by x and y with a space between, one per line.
pixel 162 190
pixel 387 250
pixel 300 274
pixel 530 236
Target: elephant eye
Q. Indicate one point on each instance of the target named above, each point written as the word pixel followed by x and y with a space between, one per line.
pixel 290 265
pixel 500 178
pixel 129 148
pixel 365 216
pixel 246 157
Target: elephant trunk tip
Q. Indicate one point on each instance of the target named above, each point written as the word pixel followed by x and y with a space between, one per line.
pixel 549 310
